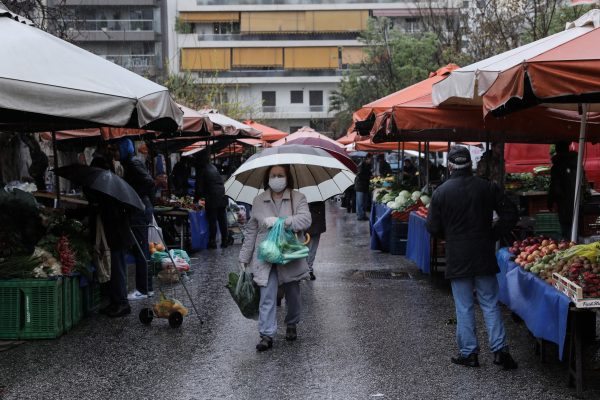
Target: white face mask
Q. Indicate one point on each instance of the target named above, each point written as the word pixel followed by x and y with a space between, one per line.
pixel 277 184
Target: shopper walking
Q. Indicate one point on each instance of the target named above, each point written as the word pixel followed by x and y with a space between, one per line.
pixel 136 174
pixel 318 226
pixel 461 211
pixel 278 200
pixel 361 187
pixel 563 180
pixel 210 187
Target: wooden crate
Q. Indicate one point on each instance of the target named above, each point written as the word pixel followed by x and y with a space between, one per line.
pixel 574 292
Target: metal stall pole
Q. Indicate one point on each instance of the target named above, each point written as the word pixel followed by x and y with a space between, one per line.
pixel 168 166
pixel 56 177
pixel 579 176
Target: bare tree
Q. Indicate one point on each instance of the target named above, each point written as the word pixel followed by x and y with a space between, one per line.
pixel 52 17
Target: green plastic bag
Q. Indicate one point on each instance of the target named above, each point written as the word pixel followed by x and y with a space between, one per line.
pixel 245 293
pixel 281 245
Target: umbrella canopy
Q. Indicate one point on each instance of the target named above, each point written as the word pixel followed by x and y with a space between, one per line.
pixel 268 134
pixel 364 118
pixel 306 132
pixel 101 181
pixel 49 84
pixel 317 174
pixel 328 146
pixel 350 137
pixel 549 70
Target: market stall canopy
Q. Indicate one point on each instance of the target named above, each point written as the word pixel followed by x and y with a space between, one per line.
pixel 201 145
pixel 549 70
pixel 364 118
pixel 306 132
pixel 222 125
pixel 350 137
pixel 268 134
pixel 369 146
pixel 49 84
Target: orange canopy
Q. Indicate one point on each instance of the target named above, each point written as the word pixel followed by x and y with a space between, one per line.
pixel 350 137
pixel 268 134
pixel 367 145
pixel 105 132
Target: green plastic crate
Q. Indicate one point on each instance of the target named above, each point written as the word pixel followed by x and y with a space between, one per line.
pixel 68 303
pixel 76 302
pixel 31 309
pixel 90 298
pixel 546 222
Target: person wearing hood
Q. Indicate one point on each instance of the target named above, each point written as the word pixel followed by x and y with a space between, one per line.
pixel 461 212
pixel 279 200
pixel 136 174
pixel 563 177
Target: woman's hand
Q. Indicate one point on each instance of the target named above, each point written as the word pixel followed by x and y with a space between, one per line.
pixel 269 221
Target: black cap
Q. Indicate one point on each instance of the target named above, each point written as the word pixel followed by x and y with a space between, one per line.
pixel 459 155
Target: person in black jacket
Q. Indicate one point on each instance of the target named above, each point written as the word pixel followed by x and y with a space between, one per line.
pixel 137 175
pixel 361 186
pixel 563 176
pixel 318 226
pixel 209 185
pixel 461 212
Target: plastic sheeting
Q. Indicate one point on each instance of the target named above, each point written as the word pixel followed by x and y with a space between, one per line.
pixel 418 245
pixel 381 224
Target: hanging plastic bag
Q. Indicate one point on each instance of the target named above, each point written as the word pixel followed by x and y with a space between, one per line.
pixel 245 293
pixel 281 245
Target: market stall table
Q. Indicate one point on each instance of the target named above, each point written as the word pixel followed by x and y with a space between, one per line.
pixel 419 242
pixel 381 222
pixel 193 227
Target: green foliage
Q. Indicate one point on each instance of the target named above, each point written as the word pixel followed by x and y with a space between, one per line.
pixel 182 26
pixel 20 223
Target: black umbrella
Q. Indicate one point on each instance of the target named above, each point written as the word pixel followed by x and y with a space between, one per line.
pixel 102 181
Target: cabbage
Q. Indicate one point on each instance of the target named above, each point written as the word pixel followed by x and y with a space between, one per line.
pixel 405 194
pixel 391 204
pixel 401 199
pixel 425 199
pixel 415 195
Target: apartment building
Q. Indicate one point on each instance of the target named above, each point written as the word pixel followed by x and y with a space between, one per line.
pixel 283 58
pixel 126 32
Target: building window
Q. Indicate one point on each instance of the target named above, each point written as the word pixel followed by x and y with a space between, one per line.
pixel 297 97
pixel 268 101
pixel 315 98
pixel 226 28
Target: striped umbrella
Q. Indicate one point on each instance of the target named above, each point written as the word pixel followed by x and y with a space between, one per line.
pixel 316 173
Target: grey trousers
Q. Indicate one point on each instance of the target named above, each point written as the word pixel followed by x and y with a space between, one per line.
pixel 312 250
pixel 267 315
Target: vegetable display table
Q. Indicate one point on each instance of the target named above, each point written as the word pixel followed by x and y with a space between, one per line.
pixel 188 228
pixel 418 248
pixel 381 223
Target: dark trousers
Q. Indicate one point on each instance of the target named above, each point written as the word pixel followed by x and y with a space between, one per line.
pixel 214 216
pixel 118 279
pixel 140 221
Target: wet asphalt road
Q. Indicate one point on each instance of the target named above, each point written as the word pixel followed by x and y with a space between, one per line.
pixel 360 339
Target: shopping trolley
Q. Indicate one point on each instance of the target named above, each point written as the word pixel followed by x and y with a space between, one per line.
pixel 236 219
pixel 169 280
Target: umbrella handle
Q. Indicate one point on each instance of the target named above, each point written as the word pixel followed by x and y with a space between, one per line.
pixel 307 241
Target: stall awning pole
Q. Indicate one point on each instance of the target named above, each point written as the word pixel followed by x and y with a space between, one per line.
pixel 579 176
pixel 56 177
pixel 427 166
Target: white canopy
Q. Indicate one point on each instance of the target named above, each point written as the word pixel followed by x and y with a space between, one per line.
pixel 229 126
pixel 62 86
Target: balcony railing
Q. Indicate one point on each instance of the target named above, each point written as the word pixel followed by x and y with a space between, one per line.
pixel 294 109
pixel 279 36
pixel 116 25
pixel 133 62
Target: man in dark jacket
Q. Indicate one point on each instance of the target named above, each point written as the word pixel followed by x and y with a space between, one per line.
pixel 180 176
pixel 209 185
pixel 462 211
pixel 318 226
pixel 563 177
pixel 382 167
pixel 137 175
pixel 361 186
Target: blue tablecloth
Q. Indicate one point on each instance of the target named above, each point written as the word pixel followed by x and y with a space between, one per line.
pixel 198 230
pixel 419 240
pixel 543 308
pixel 381 224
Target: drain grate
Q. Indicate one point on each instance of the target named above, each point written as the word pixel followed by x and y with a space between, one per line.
pixel 387 275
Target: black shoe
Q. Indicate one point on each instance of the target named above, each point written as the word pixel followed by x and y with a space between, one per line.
pixel 119 311
pixel 265 343
pixel 471 361
pixel 224 244
pixel 212 245
pixel 105 310
pixel 503 358
pixel 312 276
pixel 290 333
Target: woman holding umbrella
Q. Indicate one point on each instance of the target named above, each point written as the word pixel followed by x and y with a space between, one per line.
pixel 278 200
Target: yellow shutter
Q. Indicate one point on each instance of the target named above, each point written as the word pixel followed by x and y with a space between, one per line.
pixel 353 55
pixel 272 21
pixel 206 59
pixel 336 21
pixel 197 16
pixel 258 57
pixel 311 57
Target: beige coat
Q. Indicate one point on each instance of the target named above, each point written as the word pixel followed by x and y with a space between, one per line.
pixel 255 232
